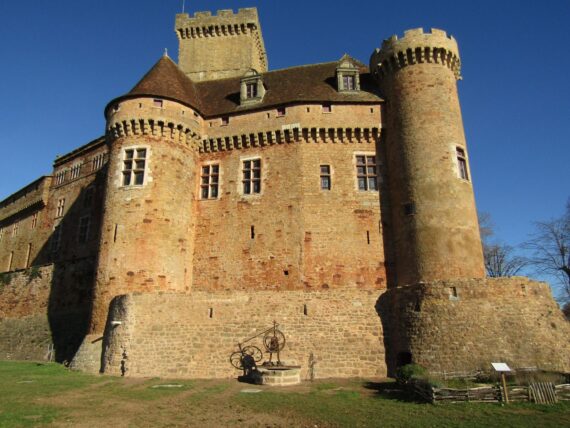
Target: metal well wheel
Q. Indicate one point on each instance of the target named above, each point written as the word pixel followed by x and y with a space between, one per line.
pixel 274 341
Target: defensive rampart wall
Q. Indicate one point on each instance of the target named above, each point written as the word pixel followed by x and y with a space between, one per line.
pixel 194 335
pixel 465 325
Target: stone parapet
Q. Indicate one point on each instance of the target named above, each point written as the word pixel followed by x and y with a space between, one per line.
pixel 416 47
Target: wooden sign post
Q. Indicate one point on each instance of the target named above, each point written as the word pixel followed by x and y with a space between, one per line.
pixel 503 368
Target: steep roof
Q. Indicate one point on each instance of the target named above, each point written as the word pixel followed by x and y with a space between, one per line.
pixel 315 82
pixel 308 83
pixel 165 80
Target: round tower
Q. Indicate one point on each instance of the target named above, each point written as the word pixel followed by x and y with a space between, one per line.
pixel 146 241
pixel 436 232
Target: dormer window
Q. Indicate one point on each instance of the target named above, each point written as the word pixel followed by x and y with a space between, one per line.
pixel 348 75
pixel 252 89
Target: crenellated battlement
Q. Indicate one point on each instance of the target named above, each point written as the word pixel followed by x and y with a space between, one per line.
pixel 416 47
pixel 224 23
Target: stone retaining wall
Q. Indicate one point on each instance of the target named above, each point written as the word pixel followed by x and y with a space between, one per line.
pixel 176 335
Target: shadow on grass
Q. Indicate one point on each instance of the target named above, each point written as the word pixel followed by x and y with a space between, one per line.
pixel 393 391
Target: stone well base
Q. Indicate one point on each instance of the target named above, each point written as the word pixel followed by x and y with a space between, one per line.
pixel 280 376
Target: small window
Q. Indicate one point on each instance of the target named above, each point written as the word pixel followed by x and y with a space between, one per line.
pixel 15 228
pixel 281 111
pixel 83 232
pixel 98 161
pixel 325 177
pixel 34 221
pixel 60 177
pixel 462 163
pixel 349 82
pixel 327 108
pixel 134 165
pixel 225 120
pixel 60 207
pixel 1 233
pixel 76 171
pixel 88 197
pixel 366 173
pixel 157 103
pixel 251 90
pixel 251 176
pixel 209 181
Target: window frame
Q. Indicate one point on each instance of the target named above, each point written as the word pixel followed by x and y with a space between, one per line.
pixel 132 172
pixel 325 175
pixel 461 162
pixel 60 208
pixel 209 184
pixel 83 229
pixel 247 187
pixel 367 175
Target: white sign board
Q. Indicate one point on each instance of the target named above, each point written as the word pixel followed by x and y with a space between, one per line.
pixel 501 367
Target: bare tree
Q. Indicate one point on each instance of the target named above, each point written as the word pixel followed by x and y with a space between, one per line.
pixel 500 259
pixel 550 250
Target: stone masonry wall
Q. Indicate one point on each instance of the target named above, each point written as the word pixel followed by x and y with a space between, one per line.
pixel 45 306
pixel 24 326
pixel 467 324
pixel 176 335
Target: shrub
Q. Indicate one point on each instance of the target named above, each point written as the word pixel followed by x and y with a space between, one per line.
pixel 410 371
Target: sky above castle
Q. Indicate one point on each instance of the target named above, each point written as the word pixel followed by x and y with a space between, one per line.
pixel 64 60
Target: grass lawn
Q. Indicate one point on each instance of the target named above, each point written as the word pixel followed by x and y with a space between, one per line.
pixel 40 394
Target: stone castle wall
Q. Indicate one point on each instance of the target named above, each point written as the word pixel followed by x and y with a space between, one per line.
pixel 194 335
pixel 467 324
pixel 45 307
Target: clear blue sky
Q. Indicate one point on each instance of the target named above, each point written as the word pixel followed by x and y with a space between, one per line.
pixel 63 60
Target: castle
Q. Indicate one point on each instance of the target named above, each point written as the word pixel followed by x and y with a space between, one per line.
pixel 334 198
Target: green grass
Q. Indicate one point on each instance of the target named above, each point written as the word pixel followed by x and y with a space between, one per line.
pixel 346 408
pixel 33 394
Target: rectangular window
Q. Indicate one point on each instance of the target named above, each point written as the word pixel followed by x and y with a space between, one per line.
pixel 34 222
pixel 209 180
pixel 28 255
pixel 281 111
pixel 366 173
pixel 15 228
pixel 60 177
pixel 76 171
pixel 1 233
pixel 348 83
pixel 251 176
pixel 83 232
pixel 157 103
pixel 88 197
pixel 327 108
pixel 225 120
pixel 251 90
pixel 134 164
pixel 462 163
pixel 98 162
pixel 325 177
pixel 60 207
